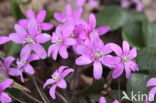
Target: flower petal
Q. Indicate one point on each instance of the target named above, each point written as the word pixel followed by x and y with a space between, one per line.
pixel 23 23
pixel 63 52
pixel 133 53
pixel 97 70
pixel 52 91
pixel 70 41
pixel 102 100
pixel 103 30
pixel 117 49
pixel 59 17
pixel 128 70
pixel 68 10
pixel 4 39
pixel 33 27
pixel 83 60
pixel 33 57
pixel 20 30
pixel 14 72
pixel 77 13
pixel 92 21
pixel 4 98
pixel 41 16
pixel 30 14
pixel 43 38
pixel 48 82
pixel 66 72
pixel 125 47
pixel 133 66
pixel 25 52
pixel 118 71
pixel 151 82
pixel 152 92
pixel 61 69
pixel 17 38
pixel 40 51
pixel 8 61
pixel 62 84
pixel 29 69
pixel 80 2
pixel 46 26
pixel 5 84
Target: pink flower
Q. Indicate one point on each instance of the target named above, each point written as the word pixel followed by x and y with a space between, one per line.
pixel 5 66
pixel 61 41
pixel 103 100
pixel 95 52
pixel 4 98
pixel 31 39
pixel 125 60
pixel 70 16
pixel 152 83
pixel 4 39
pixel 40 17
pixel 90 27
pixel 128 3
pixel 23 65
pixel 58 80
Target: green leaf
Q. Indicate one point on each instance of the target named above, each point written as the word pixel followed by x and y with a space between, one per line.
pixel 133 34
pixel 146 60
pixel 137 85
pixel 117 17
pixel 15 85
pixel 149 32
pixel 49 15
pixel 113 16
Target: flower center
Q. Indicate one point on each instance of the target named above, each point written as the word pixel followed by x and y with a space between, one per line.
pixel 73 36
pixel 97 55
pixel 124 59
pixel 21 63
pixel 59 41
pixel 56 77
pixel 30 40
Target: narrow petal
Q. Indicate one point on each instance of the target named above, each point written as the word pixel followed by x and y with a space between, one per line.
pixel 66 72
pixel 62 84
pixel 77 13
pixel 151 82
pixel 25 52
pixel 14 72
pixel 33 57
pixel 97 70
pixel 68 10
pixel 63 52
pixel 59 17
pixel 102 100
pixel 83 60
pixel 29 69
pixel 117 49
pixel 115 101
pixel 41 16
pixel 8 61
pixel 92 21
pixel 48 82
pixel 5 84
pixel 40 51
pixel 128 70
pixel 30 14
pixel 51 49
pixel 4 39
pixel 55 52
pixel 103 30
pixel 61 69
pixel 80 2
pixel 70 41
pixel 17 38
pixel 118 71
pixel 52 91
pixel 152 92
pixel 20 30
pixel 23 23
pixel 4 98
pixel 46 26
pixel 43 38
pixel 125 47
pixel 133 66
pixel 33 27
pixel 133 53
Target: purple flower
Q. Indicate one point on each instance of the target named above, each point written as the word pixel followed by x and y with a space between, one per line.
pixel 125 60
pixel 70 16
pixel 31 39
pixel 5 66
pixel 103 100
pixel 90 27
pixel 95 52
pixel 4 98
pixel 128 3
pixel 152 83
pixel 23 65
pixel 40 17
pixel 61 41
pixel 58 80
pixel 4 39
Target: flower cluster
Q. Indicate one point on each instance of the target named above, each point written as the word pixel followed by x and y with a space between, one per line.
pixel 73 31
pixel 128 3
